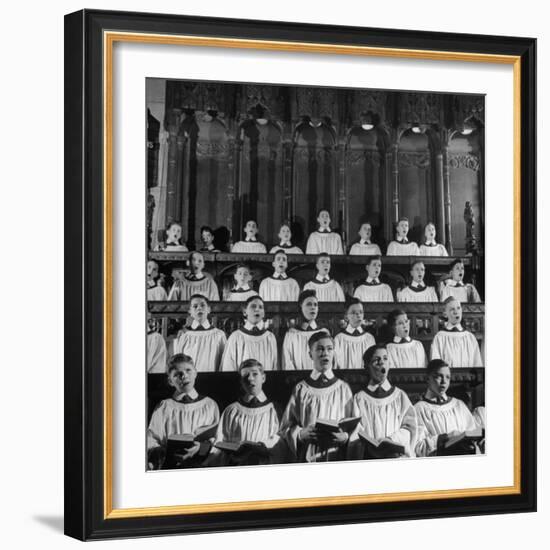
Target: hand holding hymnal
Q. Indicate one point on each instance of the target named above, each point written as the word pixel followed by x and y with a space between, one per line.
pixel 381 448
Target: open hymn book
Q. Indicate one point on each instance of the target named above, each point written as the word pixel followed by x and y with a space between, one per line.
pixel 380 448
pixel 180 443
pixel 332 426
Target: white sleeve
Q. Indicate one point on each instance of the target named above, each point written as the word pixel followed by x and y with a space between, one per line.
pixel 435 351
pixel 229 359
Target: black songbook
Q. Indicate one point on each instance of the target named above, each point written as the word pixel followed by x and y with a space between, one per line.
pixel 463 443
pixel 179 444
pixel 238 447
pixel 332 426
pixel 381 449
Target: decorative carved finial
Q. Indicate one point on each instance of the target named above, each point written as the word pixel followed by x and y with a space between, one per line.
pixel 469 218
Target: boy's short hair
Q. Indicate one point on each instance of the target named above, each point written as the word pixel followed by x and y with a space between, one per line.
pixel 429 223
pixel 201 296
pixel 248 363
pixel 435 364
pixel 279 251
pixel 351 302
pixel 323 210
pixel 251 220
pixel 368 355
pixel 393 315
pixel 250 299
pixel 318 336
pixel 178 359
pixel 450 299
pixel 170 224
pixel 414 262
pixel 305 294
pixel 194 253
pixel 402 219
pixel 455 262
pixel 207 228
pixel 242 266
pixel 372 258
pixel 322 255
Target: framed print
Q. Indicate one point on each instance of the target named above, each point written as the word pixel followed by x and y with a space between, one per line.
pixel 300 282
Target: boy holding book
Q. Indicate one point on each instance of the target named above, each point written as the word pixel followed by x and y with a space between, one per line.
pixel 186 417
pixel 388 419
pixel 316 406
pixel 248 429
pixel 445 424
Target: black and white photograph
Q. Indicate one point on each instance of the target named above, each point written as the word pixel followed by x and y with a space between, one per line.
pixel 314 274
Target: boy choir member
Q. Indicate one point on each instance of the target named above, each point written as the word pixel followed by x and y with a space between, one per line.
pixel 279 287
pixel 351 343
pixel 403 351
pixel 201 340
pixel 173 239
pixel 295 345
pixel 156 349
pixel 321 396
pixel 386 411
pixel 324 239
pixel 326 289
pixel 430 247
pixel 250 245
pixel 285 236
pixel 183 413
pixel 194 282
pixel 155 292
pixel 454 286
pixel 454 344
pixel 440 416
pixel 251 419
pixel 402 246
pixel 372 290
pixel 417 290
pixel 242 289
pixel 365 247
pixel 207 239
pixel 253 341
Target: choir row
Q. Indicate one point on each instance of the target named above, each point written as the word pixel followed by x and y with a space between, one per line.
pixel 282 288
pixel 322 421
pixel 324 239
pixel 212 351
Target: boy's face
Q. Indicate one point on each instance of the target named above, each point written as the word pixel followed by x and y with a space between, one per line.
pixel 178 273
pixel 310 308
pixel 322 354
pixel 355 315
pixel 285 234
pixel 242 276
pixel 183 377
pixel 417 272
pixel 196 262
pixel 453 311
pixel 280 263
pixel 207 237
pixel 252 380
pixel 173 233
pixel 457 272
pixel 378 366
pixel 374 268
pixel 402 326
pixel 151 324
pixel 323 219
pixel 429 232
pixel 365 231
pixel 323 265
pixel 152 270
pixel 439 380
pixel 251 228
pixel 254 312
pixel 402 228
pixel 199 309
